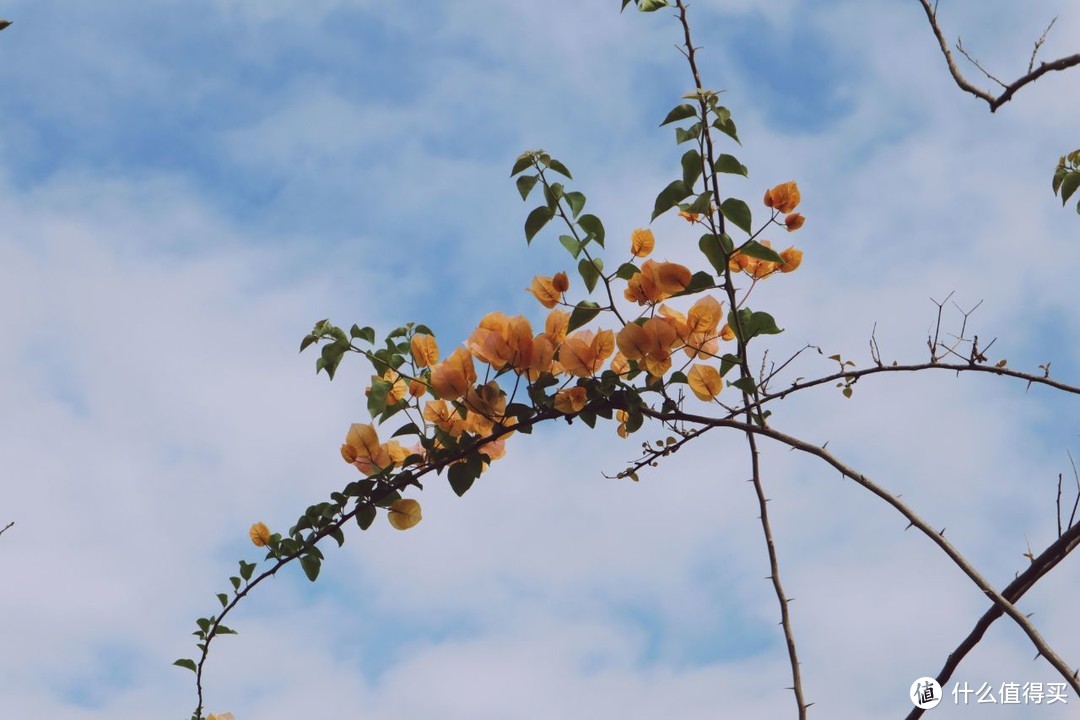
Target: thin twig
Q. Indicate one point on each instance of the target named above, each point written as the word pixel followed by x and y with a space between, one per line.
pixel 1033 74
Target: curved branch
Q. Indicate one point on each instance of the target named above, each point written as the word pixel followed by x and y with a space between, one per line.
pixel 1033 74
pixel 913 519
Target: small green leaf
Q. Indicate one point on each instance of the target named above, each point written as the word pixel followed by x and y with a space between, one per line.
pixel 583 312
pixel 701 204
pixel 728 164
pixel 223 599
pixel 362 333
pixel 669 197
pixel 711 248
pixel 590 272
pixel 408 429
pixel 559 168
pixel 524 160
pixel 461 478
pixel 331 357
pixel 691 167
pixel 376 401
pixel 756 250
pixel 246 569
pixel 727 126
pixel 337 534
pixel 1069 186
pixel 365 516
pixel 753 324
pixel 187 663
pixel 698 281
pixel 746 384
pixel 537 219
pixel 680 112
pixel 737 212
pixel 308 339
pixel 525 184
pixel 235 582
pixel 592 225
pixel 627 271
pixel 311 565
pixel 576 201
pixel 690 133
pixel 571 244
pixel 651 5
pixel 222 630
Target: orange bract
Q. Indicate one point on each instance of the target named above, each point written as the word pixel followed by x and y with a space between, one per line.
pixel 500 341
pixel 543 288
pixel 584 352
pixel 404 514
pixel 705 381
pixel 642 242
pixel 570 400
pixel 792 259
pixel 656 282
pixel 452 377
pixel 425 351
pixel 259 534
pixel 784 197
pixel 794 221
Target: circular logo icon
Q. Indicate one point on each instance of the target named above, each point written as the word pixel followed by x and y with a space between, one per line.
pixel 925 693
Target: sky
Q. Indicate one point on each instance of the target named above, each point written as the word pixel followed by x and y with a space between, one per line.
pixel 185 188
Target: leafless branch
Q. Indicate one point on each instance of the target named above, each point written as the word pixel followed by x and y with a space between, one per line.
pixel 12 522
pixel 1010 89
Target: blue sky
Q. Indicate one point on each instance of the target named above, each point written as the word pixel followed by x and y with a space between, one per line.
pixel 186 187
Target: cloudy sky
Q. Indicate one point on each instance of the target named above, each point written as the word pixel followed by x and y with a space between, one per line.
pixel 186 187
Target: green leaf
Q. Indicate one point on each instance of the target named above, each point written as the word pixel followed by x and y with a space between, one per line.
pixel 362 333
pixel 746 384
pixel 624 4
pixel 524 160
pixel 235 582
pixel 690 133
pixel 583 312
pixel 461 478
pixel 669 197
pixel 651 5
pixel 559 168
pixel 337 534
pixel 365 516
pixel 186 663
pixel 1069 186
pixel 691 167
pixel 727 126
pixel 571 244
pixel 592 225
pixel 222 630
pixel 680 112
pixel 711 248
pixel 409 429
pixel 737 212
pixel 576 201
pixel 728 164
pixel 753 324
pixel 627 271
pixel 376 401
pixel 552 194
pixel 698 281
pixel 308 339
pixel 525 184
pixel 590 272
pixel 223 599
pixel 701 203
pixel 727 361
pixel 246 569
pixel 311 565
pixel 756 250
pixel 537 219
pixel 331 358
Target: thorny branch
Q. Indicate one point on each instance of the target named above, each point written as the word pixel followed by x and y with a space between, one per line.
pixel 1008 90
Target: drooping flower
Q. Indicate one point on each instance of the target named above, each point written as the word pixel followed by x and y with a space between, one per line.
pixel 794 221
pixel 583 353
pixel 705 381
pixel 656 282
pixel 454 376
pixel 792 259
pixel 425 350
pixel 543 289
pixel 784 197
pixel 259 534
pixel 571 400
pixel 642 242
pixel 502 341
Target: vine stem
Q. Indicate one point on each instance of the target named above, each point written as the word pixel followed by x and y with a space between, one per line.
pixel 752 399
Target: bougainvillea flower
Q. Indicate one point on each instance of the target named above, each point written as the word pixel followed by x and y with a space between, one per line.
pixel 622 416
pixel 444 416
pixel 488 401
pixel 705 381
pixel 689 216
pixel 363 450
pixel 501 341
pixel 543 288
pixel 454 376
pixel 794 221
pixel 619 364
pixel 560 282
pixel 425 351
pixel 404 514
pixel 259 534
pixel 570 400
pixel 784 197
pixel 656 282
pixel 556 325
pixel 654 338
pixel 642 242
pixel 792 259
pixel 398 387
pixel 584 352
pixel 543 352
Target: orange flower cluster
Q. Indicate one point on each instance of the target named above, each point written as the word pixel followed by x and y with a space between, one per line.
pixel 363 450
pixel 783 198
pixel 657 281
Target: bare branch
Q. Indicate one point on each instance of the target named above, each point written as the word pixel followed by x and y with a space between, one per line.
pixel 1010 89
pixel 6 527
